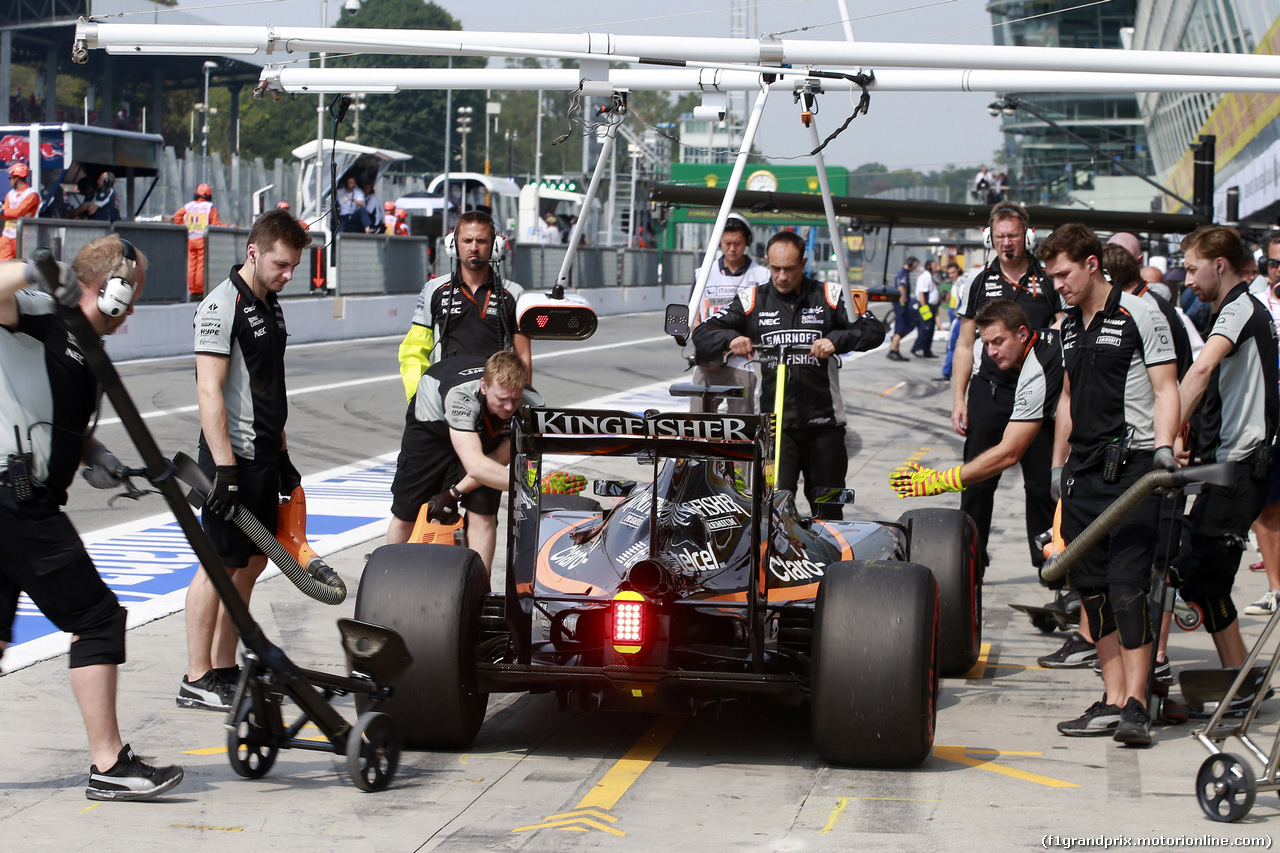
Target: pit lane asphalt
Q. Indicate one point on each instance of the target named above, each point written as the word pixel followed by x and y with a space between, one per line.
pixel 537 778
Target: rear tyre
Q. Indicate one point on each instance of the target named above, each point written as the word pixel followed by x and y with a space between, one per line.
pixel 875 680
pixel 432 595
pixel 945 540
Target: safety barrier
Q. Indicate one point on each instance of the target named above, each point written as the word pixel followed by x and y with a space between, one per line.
pixel 368 264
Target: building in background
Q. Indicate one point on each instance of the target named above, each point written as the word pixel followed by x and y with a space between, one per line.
pixel 1245 125
pixel 1043 166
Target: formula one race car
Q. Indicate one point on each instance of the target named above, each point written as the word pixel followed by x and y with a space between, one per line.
pixel 691 588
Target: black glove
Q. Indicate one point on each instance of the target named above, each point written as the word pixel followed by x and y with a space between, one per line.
pixel 290 479
pixel 224 497
pixel 103 469
pixel 66 290
pixel 444 507
pixel 1164 459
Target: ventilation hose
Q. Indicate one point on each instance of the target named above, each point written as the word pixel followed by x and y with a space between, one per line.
pixel 317 581
pixel 1056 566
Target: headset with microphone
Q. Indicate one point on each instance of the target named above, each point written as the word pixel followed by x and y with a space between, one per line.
pixel 1028 238
pixel 116 294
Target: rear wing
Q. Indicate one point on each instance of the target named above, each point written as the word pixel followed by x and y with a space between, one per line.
pixel 617 433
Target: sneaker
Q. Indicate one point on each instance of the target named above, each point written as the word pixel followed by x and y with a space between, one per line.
pixel 1135 724
pixel 1264 606
pixel 1259 566
pixel 894 355
pixel 130 779
pixel 1100 720
pixel 1075 652
pixel 208 692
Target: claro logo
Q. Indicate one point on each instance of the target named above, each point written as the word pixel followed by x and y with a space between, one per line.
pixel 794 570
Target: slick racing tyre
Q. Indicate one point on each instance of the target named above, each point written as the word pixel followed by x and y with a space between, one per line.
pixel 945 540
pixel 875 677
pixel 432 595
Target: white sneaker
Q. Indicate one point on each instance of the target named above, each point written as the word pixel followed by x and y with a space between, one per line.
pixel 1264 606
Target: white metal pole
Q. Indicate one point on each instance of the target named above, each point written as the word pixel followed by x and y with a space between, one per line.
pixel 612 207
pixel 575 236
pixel 634 153
pixel 391 80
pixel 537 149
pixel 730 190
pixel 448 156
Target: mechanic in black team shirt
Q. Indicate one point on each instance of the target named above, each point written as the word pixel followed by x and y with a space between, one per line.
pixel 1036 356
pixel 982 393
pixel 48 399
pixel 1231 388
pixel 472 311
pixel 1117 418
pixel 795 309
pixel 456 445
pixel 239 346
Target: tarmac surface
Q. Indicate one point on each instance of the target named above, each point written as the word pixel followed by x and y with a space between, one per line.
pixel 540 778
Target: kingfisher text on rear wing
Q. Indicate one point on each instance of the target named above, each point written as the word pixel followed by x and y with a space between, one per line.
pixel 706 427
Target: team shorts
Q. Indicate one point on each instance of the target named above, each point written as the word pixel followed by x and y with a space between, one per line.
pixel 427 465
pixel 1217 532
pixel 904 318
pixel 259 482
pixel 45 558
pixel 1126 554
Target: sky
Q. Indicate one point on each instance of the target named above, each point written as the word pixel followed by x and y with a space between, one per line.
pixel 924 131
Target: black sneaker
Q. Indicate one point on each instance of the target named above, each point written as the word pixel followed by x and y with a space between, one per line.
pixel 1075 652
pixel 894 355
pixel 1135 724
pixel 130 779
pixel 1099 721
pixel 208 692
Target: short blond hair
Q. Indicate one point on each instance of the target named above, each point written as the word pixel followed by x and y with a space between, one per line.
pixel 103 256
pixel 505 368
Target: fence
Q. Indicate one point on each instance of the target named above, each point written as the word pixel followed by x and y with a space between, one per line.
pixel 368 264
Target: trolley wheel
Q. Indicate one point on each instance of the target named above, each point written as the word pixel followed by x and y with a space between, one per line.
pixel 373 751
pixel 250 745
pixel 1047 624
pixel 1225 787
pixel 1189 621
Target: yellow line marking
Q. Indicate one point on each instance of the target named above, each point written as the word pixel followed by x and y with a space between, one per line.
pixel 593 809
pixel 901 799
pixel 958 755
pixel 623 774
pixel 980 665
pixel 201 826
pixel 1014 666
pixel 212 750
pixel 889 391
pixel 588 812
pixel 841 802
pixel 89 808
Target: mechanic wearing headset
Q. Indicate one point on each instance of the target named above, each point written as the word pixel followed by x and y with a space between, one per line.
pixel 456 445
pixel 1231 388
pixel 104 205
pixel 472 311
pixel 240 337
pixel 809 312
pixel 198 214
pixel 982 393
pixel 1117 418
pixel 21 201
pixel 731 275
pixel 48 400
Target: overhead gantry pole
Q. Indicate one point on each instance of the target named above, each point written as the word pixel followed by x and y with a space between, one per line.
pixel 170 39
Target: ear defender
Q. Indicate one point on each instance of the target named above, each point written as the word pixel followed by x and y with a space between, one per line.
pixel 116 294
pixel 451 245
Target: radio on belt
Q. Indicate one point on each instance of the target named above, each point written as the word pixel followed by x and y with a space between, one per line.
pixel 555 316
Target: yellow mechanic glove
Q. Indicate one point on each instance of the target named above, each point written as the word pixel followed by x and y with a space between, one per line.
pixel 563 483
pixel 912 480
pixel 557 483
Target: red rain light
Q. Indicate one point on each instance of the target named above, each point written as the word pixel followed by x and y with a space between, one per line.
pixel 628 621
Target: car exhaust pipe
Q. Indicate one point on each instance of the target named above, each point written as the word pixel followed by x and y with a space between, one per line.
pixel 650 578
